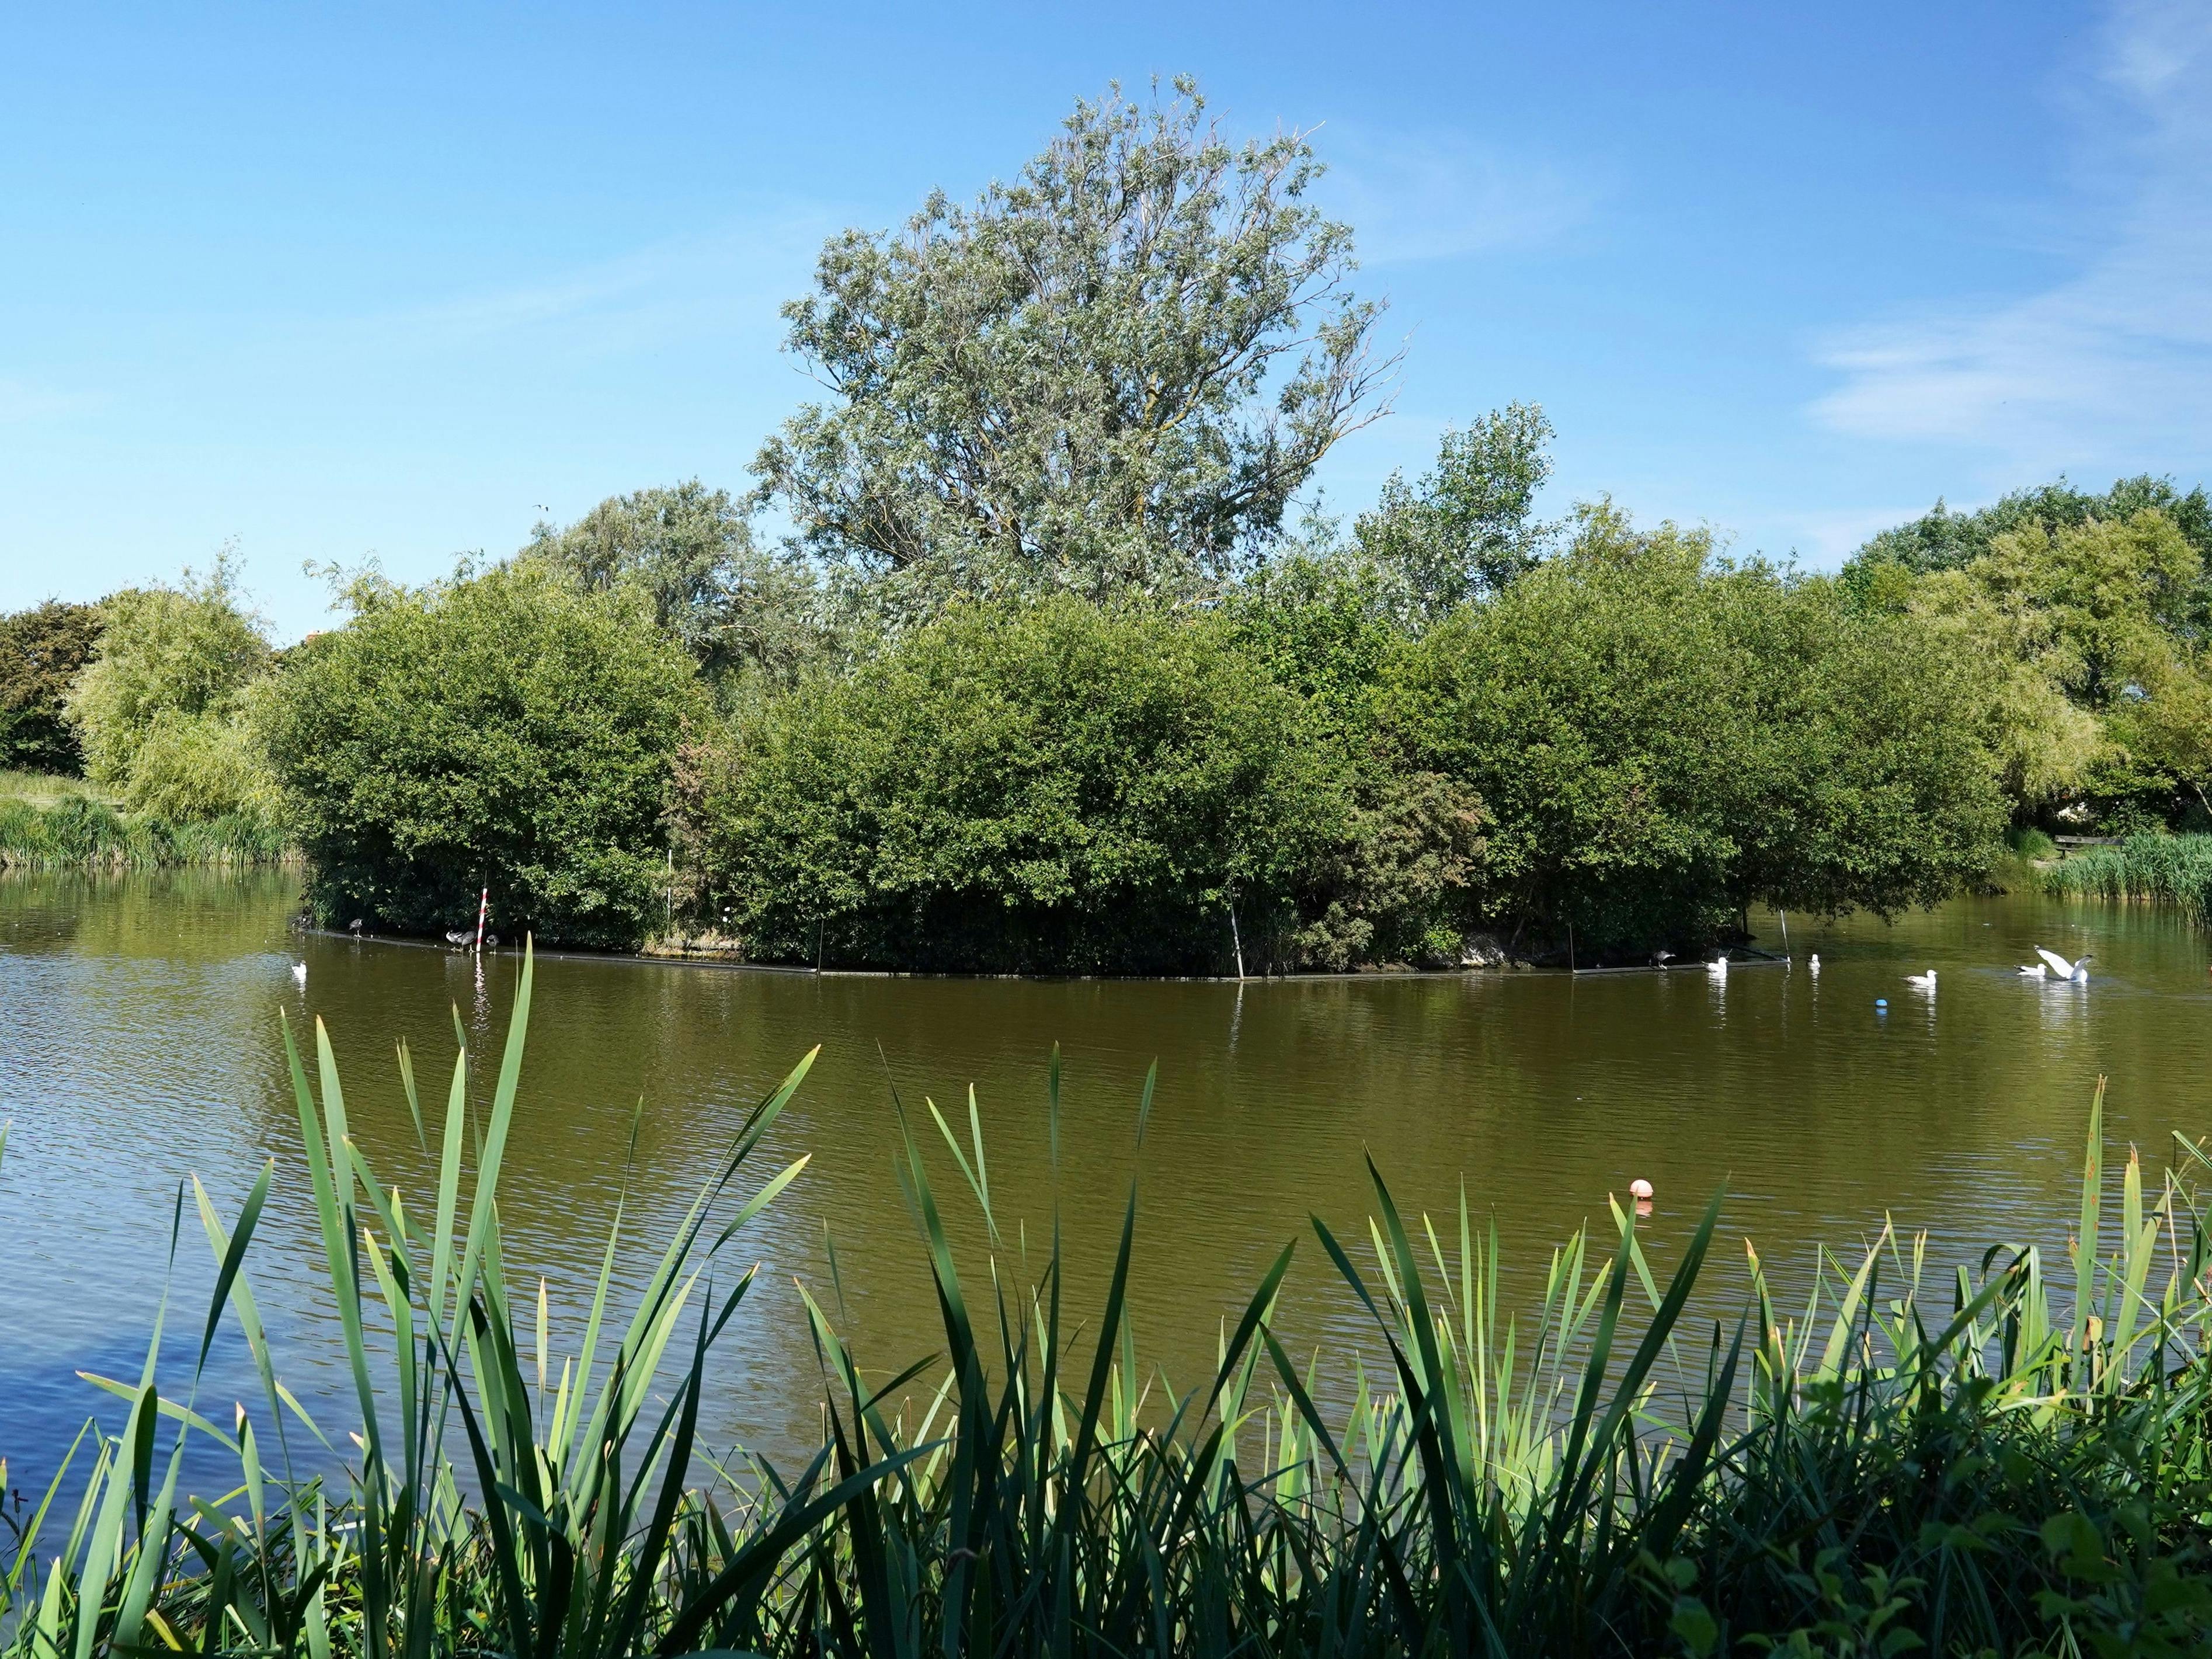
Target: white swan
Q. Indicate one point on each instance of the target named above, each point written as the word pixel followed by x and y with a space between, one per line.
pixel 2077 970
pixel 1921 982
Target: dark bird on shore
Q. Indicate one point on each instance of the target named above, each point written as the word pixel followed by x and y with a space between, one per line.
pixel 463 937
pixel 1661 958
pixel 353 927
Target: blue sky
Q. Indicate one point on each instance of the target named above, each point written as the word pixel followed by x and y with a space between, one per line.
pixel 343 281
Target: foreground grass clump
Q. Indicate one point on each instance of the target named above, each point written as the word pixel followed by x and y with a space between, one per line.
pixel 74 830
pixel 2174 870
pixel 1976 1462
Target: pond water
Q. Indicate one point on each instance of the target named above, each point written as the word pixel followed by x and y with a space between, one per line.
pixel 140 1043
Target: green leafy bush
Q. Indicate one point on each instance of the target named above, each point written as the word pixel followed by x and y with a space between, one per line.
pixel 508 730
pixel 1662 741
pixel 1063 787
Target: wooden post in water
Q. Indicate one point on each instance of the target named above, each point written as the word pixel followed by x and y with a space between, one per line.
pixel 1785 914
pixel 483 909
pixel 1237 938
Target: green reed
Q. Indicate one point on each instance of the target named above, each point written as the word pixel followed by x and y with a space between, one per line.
pixel 78 832
pixel 2174 870
pixel 2010 1457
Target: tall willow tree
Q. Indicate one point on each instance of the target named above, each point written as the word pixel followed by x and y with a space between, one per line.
pixel 1110 374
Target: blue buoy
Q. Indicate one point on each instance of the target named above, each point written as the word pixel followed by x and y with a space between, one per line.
pixel 1882 1003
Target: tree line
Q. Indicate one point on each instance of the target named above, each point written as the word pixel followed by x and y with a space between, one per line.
pixel 1058 665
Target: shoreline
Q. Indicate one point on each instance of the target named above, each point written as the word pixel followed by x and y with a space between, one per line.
pixel 648 958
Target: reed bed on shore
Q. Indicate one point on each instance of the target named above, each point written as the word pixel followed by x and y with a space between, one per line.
pixel 81 832
pixel 2174 870
pixel 2007 1458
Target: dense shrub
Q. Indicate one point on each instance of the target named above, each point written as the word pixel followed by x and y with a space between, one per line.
pixel 1663 742
pixel 1060 787
pixel 509 730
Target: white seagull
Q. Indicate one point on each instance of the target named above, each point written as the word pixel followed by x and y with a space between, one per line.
pixel 1717 967
pixel 2077 972
pixel 2036 970
pixel 1815 963
pixel 1921 982
pixel 300 973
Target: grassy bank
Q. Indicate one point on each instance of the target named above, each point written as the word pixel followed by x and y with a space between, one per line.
pixel 57 829
pixel 2174 870
pixel 2013 1459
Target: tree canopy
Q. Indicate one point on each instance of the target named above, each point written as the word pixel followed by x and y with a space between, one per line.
pixel 1943 540
pixel 1469 527
pixel 1109 375
pixel 2081 632
pixel 153 707
pixel 738 609
pixel 42 651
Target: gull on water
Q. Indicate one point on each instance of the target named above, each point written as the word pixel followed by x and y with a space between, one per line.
pixel 1921 982
pixel 2076 971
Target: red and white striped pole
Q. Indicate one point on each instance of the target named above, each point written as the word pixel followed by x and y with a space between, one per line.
pixel 483 909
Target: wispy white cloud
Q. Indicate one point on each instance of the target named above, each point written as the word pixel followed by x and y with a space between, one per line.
pixel 734 278
pixel 2112 366
pixel 1439 196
